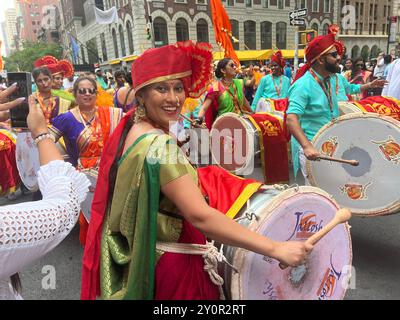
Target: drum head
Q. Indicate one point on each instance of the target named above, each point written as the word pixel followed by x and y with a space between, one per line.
pixel 86 205
pixel 232 142
pixel 27 158
pixel 264 105
pixel 346 107
pixel 295 214
pixel 372 187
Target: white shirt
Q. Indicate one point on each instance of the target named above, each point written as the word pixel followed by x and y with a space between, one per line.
pixel 68 84
pixel 29 230
pixel 392 89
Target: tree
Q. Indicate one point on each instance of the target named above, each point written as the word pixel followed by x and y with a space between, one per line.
pixel 23 60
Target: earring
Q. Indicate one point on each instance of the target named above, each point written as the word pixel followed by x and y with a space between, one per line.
pixel 140 113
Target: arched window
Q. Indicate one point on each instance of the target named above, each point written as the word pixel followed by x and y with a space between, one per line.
pixel 160 32
pixel 202 31
pixel 355 52
pixel 235 33
pixel 266 35
pixel 281 35
pixel 325 29
pixel 365 53
pixel 130 37
pixel 115 42
pixel 250 34
pixel 122 39
pixel 314 26
pixel 375 50
pixel 182 30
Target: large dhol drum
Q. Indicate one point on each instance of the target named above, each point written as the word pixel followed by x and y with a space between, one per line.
pixel 372 187
pixel 384 106
pixel 292 214
pixel 268 105
pixel 86 205
pixel 27 156
pixel 235 145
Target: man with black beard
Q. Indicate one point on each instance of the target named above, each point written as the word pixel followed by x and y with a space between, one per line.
pixel 313 99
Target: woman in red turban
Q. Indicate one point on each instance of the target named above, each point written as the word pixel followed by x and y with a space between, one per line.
pixel 143 220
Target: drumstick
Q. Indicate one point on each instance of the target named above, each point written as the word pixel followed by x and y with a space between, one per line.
pixel 351 162
pixel 193 123
pixel 341 216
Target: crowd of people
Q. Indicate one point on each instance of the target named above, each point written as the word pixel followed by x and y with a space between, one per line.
pixel 119 126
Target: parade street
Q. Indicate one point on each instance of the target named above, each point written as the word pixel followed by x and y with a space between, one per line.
pixel 376 248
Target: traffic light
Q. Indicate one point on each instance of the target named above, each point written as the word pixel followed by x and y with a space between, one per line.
pixel 307 35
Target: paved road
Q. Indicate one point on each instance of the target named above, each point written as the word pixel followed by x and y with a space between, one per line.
pixel 376 258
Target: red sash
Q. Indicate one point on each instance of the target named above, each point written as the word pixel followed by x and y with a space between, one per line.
pixel 274 148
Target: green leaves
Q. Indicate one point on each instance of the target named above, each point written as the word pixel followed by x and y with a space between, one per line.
pixel 23 60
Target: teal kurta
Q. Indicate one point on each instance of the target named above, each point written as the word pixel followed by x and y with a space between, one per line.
pixel 308 101
pixel 266 89
pixel 346 87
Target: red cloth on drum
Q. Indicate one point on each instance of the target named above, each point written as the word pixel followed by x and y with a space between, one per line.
pixel 222 187
pixel 380 105
pixel 280 104
pixel 274 148
pixel 9 177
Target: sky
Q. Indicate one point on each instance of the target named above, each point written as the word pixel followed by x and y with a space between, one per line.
pixel 4 5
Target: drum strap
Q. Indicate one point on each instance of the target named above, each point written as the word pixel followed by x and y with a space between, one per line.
pixel 277 89
pixel 234 98
pixel 326 87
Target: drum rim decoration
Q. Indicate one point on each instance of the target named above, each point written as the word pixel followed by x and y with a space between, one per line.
pixel 388 210
pixel 248 125
pixel 240 254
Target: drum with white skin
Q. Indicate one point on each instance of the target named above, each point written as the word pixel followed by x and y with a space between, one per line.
pixel 372 187
pixel 283 214
pixel 27 158
pixel 235 145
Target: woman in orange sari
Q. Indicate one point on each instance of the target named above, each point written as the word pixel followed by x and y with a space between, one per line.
pixel 85 130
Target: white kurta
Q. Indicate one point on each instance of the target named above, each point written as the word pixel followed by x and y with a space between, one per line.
pixel 30 230
pixel 392 89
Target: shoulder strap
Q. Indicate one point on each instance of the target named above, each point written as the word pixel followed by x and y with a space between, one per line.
pixel 126 98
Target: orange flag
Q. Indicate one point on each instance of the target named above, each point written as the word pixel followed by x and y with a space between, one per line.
pixel 223 29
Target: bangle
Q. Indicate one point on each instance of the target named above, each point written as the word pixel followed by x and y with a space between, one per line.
pixel 43 136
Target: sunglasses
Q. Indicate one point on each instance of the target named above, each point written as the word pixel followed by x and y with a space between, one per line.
pixel 333 54
pixel 87 91
pixel 359 65
pixel 232 65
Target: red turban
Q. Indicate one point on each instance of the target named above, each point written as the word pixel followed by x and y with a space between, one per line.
pixel 318 47
pixel 278 58
pixel 55 66
pixel 188 61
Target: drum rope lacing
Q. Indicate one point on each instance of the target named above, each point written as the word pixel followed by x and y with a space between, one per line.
pixel 208 251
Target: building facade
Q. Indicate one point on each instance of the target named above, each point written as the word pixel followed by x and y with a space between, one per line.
pixel 10 25
pixel 321 14
pixel 38 17
pixel 257 24
pixel 364 26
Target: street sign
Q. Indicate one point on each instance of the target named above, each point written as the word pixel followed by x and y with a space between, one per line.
pixel 298 14
pixel 297 22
